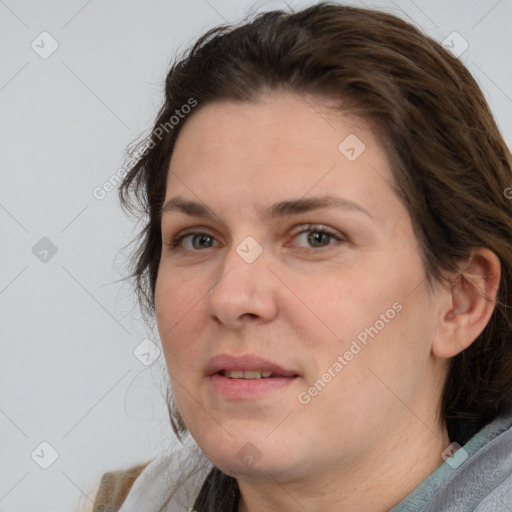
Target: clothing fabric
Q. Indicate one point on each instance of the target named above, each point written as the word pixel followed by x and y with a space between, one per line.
pixel 114 487
pixel 481 483
pixel 477 478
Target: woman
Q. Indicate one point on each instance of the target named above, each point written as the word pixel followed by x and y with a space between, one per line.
pixel 328 257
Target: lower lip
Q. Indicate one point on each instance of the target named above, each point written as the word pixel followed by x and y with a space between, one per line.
pixel 240 389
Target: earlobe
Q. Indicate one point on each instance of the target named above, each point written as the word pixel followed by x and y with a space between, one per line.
pixel 468 305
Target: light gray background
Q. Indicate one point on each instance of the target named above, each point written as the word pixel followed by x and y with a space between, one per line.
pixel 69 327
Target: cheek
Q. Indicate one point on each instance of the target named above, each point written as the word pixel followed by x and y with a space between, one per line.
pixel 346 304
pixel 180 320
pixel 367 316
pixel 175 295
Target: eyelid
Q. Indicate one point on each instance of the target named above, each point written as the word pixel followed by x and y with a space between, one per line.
pixel 316 227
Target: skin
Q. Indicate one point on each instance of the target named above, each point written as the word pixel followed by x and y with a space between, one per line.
pixel 372 434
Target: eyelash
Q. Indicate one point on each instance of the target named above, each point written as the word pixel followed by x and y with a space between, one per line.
pixel 312 228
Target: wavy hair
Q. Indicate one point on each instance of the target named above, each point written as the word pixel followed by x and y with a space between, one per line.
pixel 450 164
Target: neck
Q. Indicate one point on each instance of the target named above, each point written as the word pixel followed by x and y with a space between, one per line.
pixel 375 484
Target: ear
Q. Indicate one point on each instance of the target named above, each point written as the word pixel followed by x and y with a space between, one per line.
pixel 467 305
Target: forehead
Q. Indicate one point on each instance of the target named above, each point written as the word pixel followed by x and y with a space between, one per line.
pixel 280 147
pixel 285 126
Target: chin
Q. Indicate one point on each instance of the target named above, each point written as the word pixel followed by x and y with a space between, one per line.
pixel 247 469
pixel 252 457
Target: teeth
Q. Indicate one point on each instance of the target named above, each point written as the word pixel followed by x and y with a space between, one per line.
pixel 247 374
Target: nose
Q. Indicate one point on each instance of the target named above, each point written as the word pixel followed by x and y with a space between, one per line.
pixel 244 292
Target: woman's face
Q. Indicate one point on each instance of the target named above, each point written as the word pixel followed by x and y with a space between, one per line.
pixel 293 251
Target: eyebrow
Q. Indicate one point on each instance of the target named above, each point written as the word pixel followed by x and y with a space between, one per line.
pixel 179 204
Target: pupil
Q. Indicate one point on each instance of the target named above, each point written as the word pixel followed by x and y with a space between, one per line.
pixel 316 237
pixel 201 239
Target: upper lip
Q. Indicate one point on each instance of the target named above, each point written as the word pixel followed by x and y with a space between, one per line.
pixel 227 362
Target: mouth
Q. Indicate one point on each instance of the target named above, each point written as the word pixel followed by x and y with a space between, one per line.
pixel 246 367
pixel 248 374
pixel 247 377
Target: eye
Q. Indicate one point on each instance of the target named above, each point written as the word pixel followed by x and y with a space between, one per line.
pixel 317 236
pixel 192 241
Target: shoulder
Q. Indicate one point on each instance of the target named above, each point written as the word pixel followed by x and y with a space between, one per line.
pixel 498 499
pixel 114 488
pixel 482 480
pixel 172 480
pixel 175 475
pixel 494 475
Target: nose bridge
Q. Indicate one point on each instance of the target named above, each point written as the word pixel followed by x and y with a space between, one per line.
pixel 244 264
pixel 244 287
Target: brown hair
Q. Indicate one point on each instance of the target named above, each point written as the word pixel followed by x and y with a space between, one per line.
pixel 449 161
